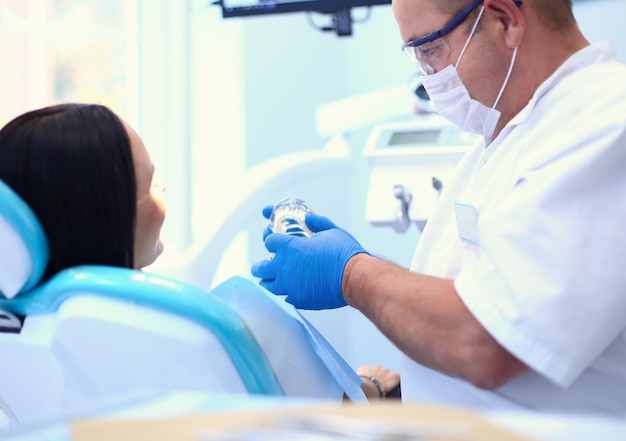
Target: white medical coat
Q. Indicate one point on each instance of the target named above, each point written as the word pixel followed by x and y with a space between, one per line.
pixel 542 259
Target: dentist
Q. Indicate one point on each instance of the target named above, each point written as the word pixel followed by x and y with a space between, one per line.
pixel 516 296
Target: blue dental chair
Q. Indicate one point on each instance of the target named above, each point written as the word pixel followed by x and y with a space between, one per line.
pixel 93 335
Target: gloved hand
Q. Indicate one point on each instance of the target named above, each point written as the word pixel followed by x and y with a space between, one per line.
pixel 308 270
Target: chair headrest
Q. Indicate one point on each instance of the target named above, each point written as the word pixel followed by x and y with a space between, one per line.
pixel 24 249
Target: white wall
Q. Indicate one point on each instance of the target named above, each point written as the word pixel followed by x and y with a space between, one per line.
pixel 603 19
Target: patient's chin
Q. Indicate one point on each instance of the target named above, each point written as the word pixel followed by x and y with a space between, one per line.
pixel 147 260
pixel 157 252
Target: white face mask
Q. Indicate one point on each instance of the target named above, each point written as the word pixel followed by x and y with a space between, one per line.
pixel 451 99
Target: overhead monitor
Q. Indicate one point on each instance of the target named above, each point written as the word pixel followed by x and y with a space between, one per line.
pixel 340 9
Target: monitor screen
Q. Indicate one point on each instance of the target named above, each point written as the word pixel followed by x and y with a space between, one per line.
pixel 238 8
pixel 414 138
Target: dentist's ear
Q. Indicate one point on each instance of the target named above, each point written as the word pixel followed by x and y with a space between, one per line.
pixel 510 18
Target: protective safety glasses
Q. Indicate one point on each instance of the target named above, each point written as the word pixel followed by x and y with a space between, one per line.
pixel 429 51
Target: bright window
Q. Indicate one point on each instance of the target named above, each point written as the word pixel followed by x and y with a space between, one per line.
pixel 67 50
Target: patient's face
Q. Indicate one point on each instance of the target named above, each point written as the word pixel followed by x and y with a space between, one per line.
pixel 150 205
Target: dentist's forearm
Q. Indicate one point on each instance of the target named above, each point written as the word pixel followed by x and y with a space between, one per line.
pixel 426 319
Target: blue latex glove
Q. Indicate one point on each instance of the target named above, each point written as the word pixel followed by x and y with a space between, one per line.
pixel 309 271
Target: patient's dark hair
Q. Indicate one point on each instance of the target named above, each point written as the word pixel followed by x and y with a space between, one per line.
pixel 72 164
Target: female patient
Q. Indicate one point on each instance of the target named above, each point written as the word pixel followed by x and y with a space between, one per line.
pixel 89 179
